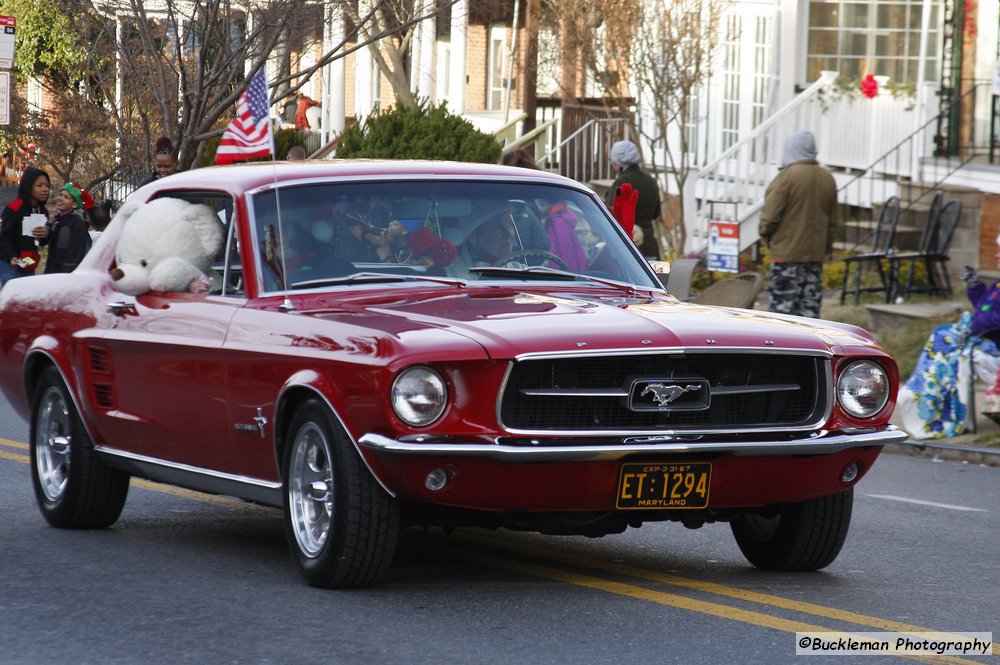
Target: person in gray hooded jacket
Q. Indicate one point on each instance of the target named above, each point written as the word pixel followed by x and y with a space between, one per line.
pixel 798 225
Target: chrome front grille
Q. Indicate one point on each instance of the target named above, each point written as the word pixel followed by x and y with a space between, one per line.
pixel 600 393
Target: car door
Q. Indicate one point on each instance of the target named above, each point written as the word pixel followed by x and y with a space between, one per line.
pixel 166 351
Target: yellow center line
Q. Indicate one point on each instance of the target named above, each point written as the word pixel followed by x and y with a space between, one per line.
pixel 660 597
pixel 191 494
pixel 13 444
pixel 16 457
pixel 707 587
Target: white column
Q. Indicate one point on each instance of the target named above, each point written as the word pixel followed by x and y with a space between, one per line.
pixel 363 62
pixel 790 45
pixel 333 75
pixel 426 32
pixel 456 75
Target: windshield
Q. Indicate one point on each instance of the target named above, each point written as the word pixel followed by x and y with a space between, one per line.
pixel 445 229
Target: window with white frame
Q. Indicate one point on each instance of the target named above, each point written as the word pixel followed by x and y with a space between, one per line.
pixel 746 73
pixel 881 37
pixel 495 95
pixel 548 61
pixel 441 79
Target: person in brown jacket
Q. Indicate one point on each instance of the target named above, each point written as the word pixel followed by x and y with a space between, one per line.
pixel 798 225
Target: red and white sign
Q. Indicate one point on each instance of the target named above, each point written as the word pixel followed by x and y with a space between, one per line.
pixel 724 246
pixel 8 27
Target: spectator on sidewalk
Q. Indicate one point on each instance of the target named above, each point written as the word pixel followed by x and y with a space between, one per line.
pixel 68 240
pixel 164 160
pixel 19 252
pixel 798 225
pixel 625 157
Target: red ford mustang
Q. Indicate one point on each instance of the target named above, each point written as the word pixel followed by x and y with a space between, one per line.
pixel 393 343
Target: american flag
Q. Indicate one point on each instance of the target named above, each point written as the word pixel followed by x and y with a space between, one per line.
pixel 249 135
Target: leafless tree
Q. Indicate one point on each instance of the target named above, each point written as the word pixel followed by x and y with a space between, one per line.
pixel 654 53
pixel 181 65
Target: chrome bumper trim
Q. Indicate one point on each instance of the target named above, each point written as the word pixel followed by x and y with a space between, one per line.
pixel 821 444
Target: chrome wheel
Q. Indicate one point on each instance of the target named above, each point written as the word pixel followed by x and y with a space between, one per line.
pixel 310 489
pixel 73 487
pixel 341 526
pixel 53 442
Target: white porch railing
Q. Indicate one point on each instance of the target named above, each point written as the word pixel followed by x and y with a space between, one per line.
pixel 738 177
pixel 853 134
pixel 541 139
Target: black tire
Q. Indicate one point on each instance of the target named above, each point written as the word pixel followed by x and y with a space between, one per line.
pixel 801 536
pixel 73 488
pixel 340 538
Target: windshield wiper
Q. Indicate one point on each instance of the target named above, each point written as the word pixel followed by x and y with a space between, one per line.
pixel 375 278
pixel 543 272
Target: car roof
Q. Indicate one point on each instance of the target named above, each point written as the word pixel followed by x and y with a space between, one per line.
pixel 248 177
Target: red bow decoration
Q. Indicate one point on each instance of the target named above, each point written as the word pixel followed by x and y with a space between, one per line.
pixel 869 86
pixel 443 253
pixel 623 206
pixel 423 242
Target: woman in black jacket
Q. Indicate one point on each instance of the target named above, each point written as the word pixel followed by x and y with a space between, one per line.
pixel 18 252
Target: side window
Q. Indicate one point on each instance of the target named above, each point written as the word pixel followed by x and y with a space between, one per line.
pixel 228 277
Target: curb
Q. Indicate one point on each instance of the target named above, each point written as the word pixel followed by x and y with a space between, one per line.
pixel 951 452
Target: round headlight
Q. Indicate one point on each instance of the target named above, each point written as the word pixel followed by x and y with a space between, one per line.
pixel 863 388
pixel 419 396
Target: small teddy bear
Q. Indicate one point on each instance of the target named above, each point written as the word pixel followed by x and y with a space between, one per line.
pixel 166 245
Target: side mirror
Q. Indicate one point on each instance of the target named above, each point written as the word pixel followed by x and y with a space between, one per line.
pixel 662 270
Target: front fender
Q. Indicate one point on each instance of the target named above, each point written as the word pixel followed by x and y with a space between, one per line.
pixel 303 385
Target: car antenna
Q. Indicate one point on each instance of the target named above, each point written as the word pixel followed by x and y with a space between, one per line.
pixel 286 304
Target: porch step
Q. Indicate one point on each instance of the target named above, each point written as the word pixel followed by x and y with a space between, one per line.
pixel 889 317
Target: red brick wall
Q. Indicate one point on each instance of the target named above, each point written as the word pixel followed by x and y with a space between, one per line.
pixel 476 58
pixel 989 228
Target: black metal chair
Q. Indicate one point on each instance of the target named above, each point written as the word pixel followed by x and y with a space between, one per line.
pixel 933 253
pixel 881 248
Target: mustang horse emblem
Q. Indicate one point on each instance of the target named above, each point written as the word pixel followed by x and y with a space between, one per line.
pixel 665 393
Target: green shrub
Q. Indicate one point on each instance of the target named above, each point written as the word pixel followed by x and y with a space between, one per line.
pixel 418 133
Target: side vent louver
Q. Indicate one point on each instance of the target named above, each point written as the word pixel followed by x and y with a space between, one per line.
pixel 100 362
pixel 104 395
pixel 102 390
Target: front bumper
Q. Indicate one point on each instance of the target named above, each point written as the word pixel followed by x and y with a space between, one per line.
pixel 817 443
pixel 585 478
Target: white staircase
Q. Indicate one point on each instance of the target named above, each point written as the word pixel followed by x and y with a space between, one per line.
pixel 731 187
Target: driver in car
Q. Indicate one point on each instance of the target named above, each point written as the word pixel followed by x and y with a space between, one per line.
pixel 490 238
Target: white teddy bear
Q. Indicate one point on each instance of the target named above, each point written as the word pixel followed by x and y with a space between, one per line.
pixel 166 245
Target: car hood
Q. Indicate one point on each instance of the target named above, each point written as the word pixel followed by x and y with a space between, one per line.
pixel 509 323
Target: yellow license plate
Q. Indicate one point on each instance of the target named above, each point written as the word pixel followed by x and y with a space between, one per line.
pixel 672 485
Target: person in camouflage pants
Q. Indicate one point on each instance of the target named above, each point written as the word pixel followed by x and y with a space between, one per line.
pixel 798 224
pixel 796 288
